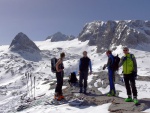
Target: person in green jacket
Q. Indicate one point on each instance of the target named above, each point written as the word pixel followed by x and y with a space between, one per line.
pixel 129 72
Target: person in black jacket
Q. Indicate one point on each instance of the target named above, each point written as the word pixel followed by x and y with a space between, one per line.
pixel 84 65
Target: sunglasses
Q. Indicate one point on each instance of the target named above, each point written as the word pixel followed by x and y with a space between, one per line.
pixel 125 50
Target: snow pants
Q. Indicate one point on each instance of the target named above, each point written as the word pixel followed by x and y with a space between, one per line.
pixel 83 77
pixel 111 80
pixel 130 84
pixel 59 77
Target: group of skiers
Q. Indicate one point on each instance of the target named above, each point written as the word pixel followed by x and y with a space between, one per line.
pixel 128 62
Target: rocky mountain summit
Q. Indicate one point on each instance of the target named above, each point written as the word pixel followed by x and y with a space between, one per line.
pixel 108 35
pixel 60 37
pixel 23 43
pixel 25 47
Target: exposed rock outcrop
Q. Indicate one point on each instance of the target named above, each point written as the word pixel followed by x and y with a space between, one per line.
pixel 22 43
pixel 108 35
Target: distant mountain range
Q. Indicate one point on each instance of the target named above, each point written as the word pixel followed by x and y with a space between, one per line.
pixel 104 35
pixel 108 35
pixel 60 37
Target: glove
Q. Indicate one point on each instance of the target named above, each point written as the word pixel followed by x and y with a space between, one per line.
pixel 104 67
pixel 124 59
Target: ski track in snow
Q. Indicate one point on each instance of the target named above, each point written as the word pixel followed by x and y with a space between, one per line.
pixel 13 66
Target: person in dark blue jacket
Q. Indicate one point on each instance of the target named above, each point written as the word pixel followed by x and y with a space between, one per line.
pixel 111 73
pixel 84 65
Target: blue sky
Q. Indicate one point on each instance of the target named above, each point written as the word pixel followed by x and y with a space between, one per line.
pixel 41 18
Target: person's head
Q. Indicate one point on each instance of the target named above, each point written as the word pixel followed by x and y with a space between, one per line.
pixel 84 53
pixel 125 50
pixel 62 55
pixel 108 53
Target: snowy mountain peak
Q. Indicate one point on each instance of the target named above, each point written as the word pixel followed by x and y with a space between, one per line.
pixel 109 34
pixel 23 43
pixel 60 37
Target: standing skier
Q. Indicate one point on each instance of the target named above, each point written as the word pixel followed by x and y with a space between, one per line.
pixel 111 73
pixel 130 72
pixel 59 77
pixel 84 65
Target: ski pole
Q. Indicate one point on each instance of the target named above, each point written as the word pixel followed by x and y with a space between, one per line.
pixel 31 84
pixel 34 87
pixel 28 84
pixel 27 81
pixel 26 74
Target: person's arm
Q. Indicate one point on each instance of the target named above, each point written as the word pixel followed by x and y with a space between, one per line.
pixel 57 66
pixel 108 62
pixel 79 65
pixel 107 65
pixel 134 63
pixel 90 65
pixel 121 61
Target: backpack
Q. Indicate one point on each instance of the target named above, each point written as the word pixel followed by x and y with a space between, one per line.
pixel 131 57
pixel 115 65
pixel 53 64
pixel 72 78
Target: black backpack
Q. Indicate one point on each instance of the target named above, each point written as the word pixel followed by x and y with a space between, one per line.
pixel 53 64
pixel 115 65
pixel 72 78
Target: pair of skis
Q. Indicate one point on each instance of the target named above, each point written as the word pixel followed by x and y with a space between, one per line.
pixel 31 102
pixel 29 96
pixel 56 102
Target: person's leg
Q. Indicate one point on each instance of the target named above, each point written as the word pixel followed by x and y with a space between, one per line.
pixel 128 89
pixel 61 82
pixel 81 81
pixel 114 76
pixel 114 79
pixel 127 85
pixel 134 89
pixel 57 87
pixel 111 82
pixel 85 81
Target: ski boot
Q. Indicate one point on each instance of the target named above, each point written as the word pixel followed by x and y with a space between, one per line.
pixel 135 100
pixel 62 97
pixel 129 99
pixel 58 98
pixel 111 93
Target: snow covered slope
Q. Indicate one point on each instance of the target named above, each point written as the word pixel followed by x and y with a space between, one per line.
pixel 13 66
